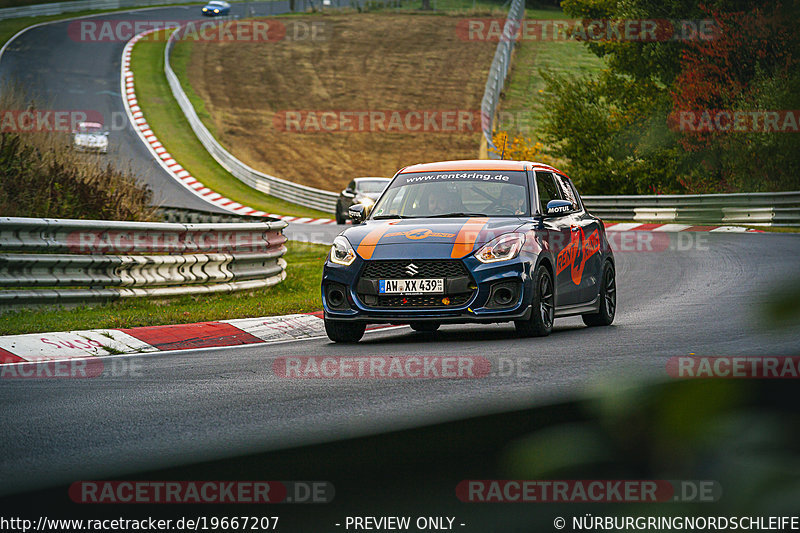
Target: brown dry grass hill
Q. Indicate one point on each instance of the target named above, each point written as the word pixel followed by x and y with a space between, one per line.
pixel 368 62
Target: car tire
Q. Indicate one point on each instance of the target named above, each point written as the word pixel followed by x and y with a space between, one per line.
pixel 340 218
pixel 540 324
pixel 425 327
pixel 341 331
pixel 608 299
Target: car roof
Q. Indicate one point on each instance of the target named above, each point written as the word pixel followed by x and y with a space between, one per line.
pixel 373 178
pixel 477 164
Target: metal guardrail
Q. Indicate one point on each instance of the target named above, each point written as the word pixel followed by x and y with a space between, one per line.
pixel 756 209
pixel 280 188
pixel 58 8
pixel 66 261
pixel 499 71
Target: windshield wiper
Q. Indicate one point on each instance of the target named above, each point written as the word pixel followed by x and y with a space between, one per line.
pixel 446 215
pixel 384 217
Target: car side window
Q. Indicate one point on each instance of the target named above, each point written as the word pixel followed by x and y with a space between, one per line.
pixel 352 185
pixel 568 191
pixel 547 189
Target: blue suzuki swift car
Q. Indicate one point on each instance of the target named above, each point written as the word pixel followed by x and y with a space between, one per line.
pixel 470 241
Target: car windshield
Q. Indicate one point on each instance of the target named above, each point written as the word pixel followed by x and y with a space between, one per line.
pixel 90 128
pixel 473 193
pixel 371 186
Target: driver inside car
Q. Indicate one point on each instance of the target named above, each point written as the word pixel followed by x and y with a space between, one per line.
pixel 436 205
pixel 510 202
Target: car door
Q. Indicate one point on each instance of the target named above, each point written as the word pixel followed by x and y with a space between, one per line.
pixel 561 235
pixel 586 270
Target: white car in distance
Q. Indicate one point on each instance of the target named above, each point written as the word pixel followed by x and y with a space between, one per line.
pixel 90 137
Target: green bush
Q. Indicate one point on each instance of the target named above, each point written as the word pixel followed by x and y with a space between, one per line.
pixel 42 178
pixel 611 131
pixel 41 175
pixel 617 130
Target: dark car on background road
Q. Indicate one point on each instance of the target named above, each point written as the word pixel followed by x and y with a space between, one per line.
pixel 470 242
pixel 359 191
pixel 216 8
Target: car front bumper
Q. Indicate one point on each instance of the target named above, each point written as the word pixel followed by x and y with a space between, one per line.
pixel 480 307
pixel 83 147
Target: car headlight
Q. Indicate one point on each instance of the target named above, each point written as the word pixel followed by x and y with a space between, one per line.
pixel 502 248
pixel 341 252
pixel 216 11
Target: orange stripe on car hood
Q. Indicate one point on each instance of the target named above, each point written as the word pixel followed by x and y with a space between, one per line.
pixel 467 235
pixel 367 245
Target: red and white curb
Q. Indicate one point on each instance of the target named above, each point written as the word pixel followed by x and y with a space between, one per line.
pixel 165 159
pixel 66 345
pixel 673 228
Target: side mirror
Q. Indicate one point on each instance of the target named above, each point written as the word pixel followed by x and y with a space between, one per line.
pixel 350 193
pixel 558 207
pixel 358 213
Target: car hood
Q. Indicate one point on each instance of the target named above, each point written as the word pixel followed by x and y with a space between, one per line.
pixel 427 237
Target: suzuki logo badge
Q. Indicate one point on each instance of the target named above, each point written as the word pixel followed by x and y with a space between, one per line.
pixel 412 269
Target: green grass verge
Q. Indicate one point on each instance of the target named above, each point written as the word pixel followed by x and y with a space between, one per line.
pixel 181 54
pixel 173 130
pixel 437 7
pixel 20 3
pixel 521 104
pixel 298 293
pixel 467 6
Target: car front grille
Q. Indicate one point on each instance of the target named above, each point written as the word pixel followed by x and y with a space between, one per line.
pixel 448 269
pixel 424 269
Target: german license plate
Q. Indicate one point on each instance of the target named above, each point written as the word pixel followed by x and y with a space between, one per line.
pixel 411 286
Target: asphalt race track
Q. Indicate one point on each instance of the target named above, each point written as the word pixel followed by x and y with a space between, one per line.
pixel 703 295
pixel 314 233
pixel 183 407
pixel 66 74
